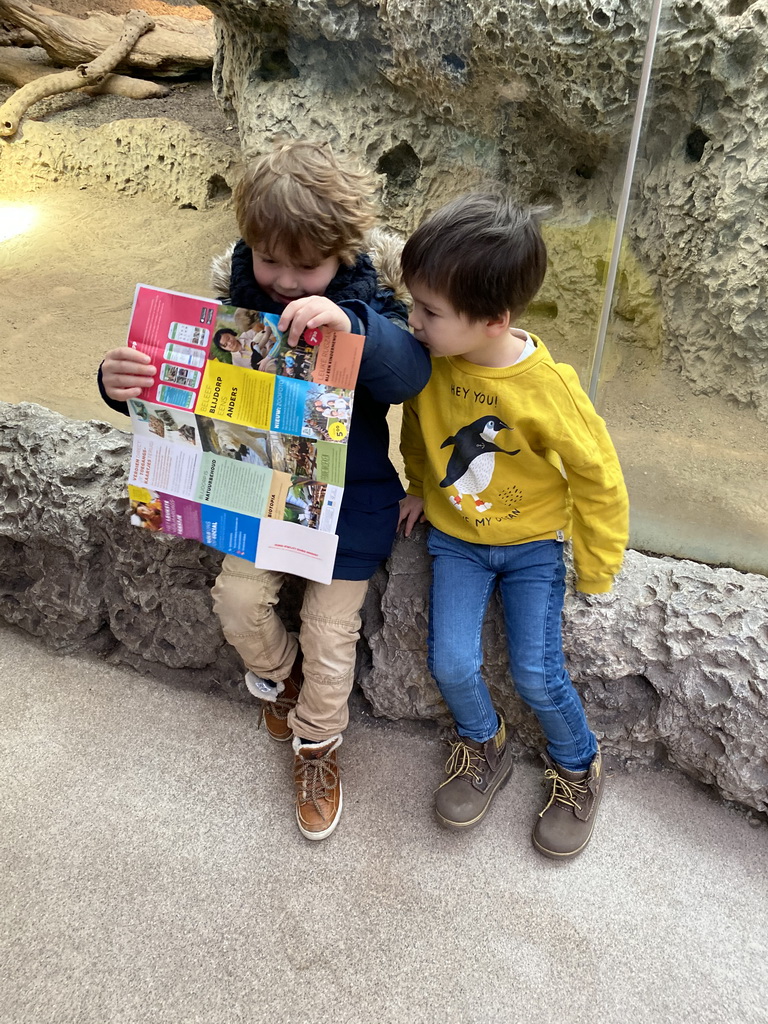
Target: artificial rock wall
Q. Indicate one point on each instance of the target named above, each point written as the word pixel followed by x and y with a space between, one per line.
pixel 441 96
pixel 673 666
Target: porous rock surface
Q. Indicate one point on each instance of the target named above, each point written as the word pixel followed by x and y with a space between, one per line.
pixel 75 573
pixel 672 666
pixel 540 94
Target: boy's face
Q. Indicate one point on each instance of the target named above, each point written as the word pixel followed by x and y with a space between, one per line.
pixel 285 280
pixel 445 332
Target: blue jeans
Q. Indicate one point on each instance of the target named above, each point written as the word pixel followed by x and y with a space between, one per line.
pixel 531 579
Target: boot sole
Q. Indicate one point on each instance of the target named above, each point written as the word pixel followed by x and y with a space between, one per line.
pixel 279 739
pixel 458 826
pixel 316 836
pixel 569 855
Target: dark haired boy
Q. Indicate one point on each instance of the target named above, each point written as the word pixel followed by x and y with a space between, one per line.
pixel 506 458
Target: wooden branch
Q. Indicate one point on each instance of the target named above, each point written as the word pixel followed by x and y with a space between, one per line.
pixel 11 112
pixel 21 70
pixel 175 46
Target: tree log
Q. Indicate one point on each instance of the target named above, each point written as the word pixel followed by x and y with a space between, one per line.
pixel 21 70
pixel 135 25
pixel 175 46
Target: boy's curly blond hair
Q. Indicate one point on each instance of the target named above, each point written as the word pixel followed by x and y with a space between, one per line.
pixel 302 199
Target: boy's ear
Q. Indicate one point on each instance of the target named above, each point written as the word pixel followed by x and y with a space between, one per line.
pixel 498 325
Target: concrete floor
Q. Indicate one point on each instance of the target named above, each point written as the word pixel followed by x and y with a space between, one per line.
pixel 152 872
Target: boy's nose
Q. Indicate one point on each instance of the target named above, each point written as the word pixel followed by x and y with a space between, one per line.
pixel 413 321
pixel 286 281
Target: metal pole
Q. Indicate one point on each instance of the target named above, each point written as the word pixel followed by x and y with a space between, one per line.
pixel 621 213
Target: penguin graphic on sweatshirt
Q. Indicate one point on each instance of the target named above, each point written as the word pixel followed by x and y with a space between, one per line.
pixel 472 462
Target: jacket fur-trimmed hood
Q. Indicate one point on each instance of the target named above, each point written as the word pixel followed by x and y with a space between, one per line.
pixel 382 245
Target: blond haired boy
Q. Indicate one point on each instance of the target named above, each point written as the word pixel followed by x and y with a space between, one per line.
pixel 304 215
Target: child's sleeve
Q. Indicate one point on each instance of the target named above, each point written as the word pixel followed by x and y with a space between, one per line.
pixel 111 402
pixel 395 366
pixel 413 450
pixel 599 495
pixel 600 523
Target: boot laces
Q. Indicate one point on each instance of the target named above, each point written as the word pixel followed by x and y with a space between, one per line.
pixel 316 776
pixel 564 791
pixel 277 708
pixel 464 760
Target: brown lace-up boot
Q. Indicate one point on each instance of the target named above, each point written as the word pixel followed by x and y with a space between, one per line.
pixel 565 825
pixel 318 787
pixel 475 770
pixel 277 699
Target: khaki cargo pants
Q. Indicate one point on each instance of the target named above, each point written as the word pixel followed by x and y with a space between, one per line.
pixel 244 599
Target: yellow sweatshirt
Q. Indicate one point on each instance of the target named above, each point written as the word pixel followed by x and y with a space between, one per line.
pixel 515 454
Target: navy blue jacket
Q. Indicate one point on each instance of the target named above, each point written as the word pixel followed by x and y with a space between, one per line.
pixel 394 367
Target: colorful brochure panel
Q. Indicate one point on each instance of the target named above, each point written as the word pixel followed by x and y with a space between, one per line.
pixel 230 532
pixel 240 442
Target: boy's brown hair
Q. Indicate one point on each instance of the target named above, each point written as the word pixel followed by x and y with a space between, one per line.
pixel 305 201
pixel 483 252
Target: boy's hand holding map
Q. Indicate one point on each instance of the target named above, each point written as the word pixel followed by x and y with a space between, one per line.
pixel 310 312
